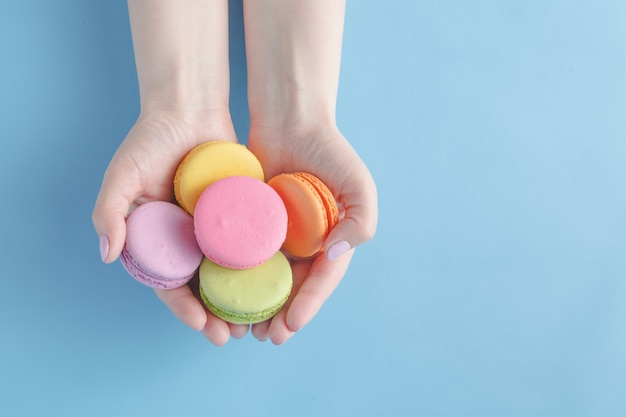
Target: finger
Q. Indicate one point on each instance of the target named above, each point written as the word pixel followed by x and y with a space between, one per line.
pixel 261 330
pixel 116 195
pixel 279 332
pixel 185 306
pixel 216 330
pixel 357 223
pixel 238 331
pixel 322 279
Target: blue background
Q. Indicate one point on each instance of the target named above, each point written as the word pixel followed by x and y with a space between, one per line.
pixel 496 285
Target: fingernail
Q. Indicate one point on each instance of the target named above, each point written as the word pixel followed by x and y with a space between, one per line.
pixel 337 250
pixel 104 247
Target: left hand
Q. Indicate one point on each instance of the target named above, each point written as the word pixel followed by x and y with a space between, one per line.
pixel 325 153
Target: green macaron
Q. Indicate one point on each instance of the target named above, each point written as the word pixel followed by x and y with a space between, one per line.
pixel 246 296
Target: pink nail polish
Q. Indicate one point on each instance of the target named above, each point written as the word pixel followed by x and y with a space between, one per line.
pixel 337 250
pixel 104 247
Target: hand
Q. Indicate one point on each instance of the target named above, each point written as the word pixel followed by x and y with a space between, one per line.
pixel 143 170
pixel 325 153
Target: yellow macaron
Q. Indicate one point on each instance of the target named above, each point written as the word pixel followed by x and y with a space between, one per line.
pixel 209 162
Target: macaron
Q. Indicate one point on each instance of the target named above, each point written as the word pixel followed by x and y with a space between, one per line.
pixel 240 222
pixel 161 249
pixel 246 296
pixel 209 162
pixel 311 211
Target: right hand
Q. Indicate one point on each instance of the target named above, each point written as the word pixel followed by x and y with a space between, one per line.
pixel 143 170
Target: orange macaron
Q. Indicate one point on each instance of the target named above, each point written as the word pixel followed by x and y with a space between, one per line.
pixel 312 212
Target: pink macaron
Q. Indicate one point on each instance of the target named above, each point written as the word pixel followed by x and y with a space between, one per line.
pixel 161 249
pixel 240 222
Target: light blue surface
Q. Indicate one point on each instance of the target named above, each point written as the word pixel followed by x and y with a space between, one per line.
pixel 496 285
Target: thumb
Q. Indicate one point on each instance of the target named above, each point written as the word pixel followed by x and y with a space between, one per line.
pixel 357 223
pixel 109 217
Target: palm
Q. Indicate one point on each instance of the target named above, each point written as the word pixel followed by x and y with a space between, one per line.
pixel 149 156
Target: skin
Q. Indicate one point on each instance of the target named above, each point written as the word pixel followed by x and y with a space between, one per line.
pixel 293 54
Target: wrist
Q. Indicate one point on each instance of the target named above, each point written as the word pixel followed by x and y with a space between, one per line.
pixel 286 107
pixel 180 92
pixel 194 126
pixel 276 136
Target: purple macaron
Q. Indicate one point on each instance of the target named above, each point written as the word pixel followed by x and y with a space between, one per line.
pixel 161 249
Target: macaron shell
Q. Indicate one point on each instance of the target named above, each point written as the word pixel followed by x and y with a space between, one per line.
pixel 311 212
pixel 147 278
pixel 161 250
pixel 328 200
pixel 240 222
pixel 209 162
pixel 246 295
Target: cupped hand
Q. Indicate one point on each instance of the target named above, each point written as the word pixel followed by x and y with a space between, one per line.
pixel 143 170
pixel 325 153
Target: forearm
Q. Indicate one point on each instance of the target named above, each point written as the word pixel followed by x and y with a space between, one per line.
pixel 181 53
pixel 293 54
